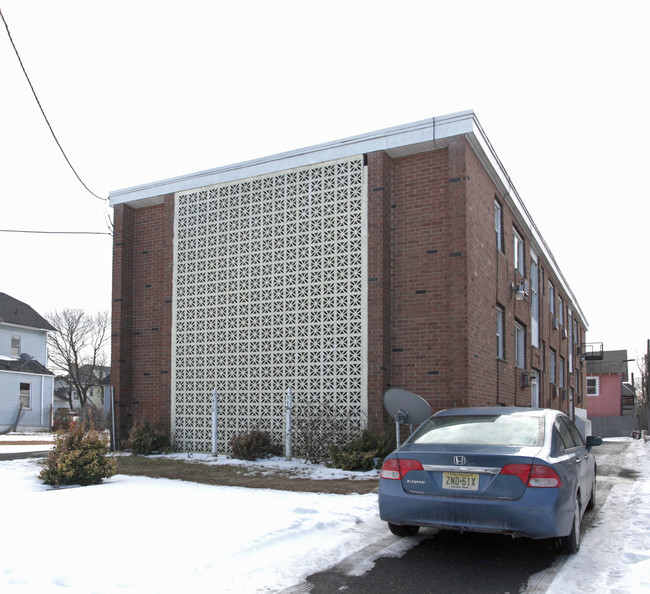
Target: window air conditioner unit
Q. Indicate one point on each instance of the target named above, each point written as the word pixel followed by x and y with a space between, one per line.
pixel 556 323
pixel 526 286
pixel 564 333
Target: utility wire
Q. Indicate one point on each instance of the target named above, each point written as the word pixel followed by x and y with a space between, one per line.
pixel 43 112
pixel 57 232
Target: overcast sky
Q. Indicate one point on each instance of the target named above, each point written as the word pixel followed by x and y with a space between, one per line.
pixel 138 91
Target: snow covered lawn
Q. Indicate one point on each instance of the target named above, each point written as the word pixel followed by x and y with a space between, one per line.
pixel 136 534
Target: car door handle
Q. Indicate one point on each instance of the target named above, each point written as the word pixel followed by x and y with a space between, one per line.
pixel 578 460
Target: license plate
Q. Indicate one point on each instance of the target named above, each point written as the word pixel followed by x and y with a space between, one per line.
pixel 463 481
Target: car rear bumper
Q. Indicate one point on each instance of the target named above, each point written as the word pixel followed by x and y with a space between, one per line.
pixel 539 513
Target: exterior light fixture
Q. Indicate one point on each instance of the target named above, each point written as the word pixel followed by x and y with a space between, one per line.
pixel 518 291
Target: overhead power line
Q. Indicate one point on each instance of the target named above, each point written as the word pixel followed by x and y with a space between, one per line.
pixel 43 111
pixel 56 232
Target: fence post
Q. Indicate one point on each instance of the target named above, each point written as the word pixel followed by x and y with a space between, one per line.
pixel 287 436
pixel 215 422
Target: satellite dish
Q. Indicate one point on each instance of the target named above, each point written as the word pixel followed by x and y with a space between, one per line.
pixel 406 408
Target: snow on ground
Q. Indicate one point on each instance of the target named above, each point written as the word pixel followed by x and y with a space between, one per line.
pixel 615 552
pixel 137 534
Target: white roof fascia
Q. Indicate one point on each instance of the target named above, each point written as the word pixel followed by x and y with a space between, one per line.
pixel 410 138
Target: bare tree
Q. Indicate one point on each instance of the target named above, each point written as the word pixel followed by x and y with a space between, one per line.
pixel 78 349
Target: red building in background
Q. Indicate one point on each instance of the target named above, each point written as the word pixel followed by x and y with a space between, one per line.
pixel 608 391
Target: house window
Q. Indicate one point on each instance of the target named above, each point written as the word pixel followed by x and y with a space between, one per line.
pixel 551 299
pixel 560 310
pixel 498 224
pixel 534 309
pixel 520 346
pixel 26 395
pixel 518 245
pixel 15 346
pixel 560 373
pixel 593 386
pixel 501 351
pixel 552 371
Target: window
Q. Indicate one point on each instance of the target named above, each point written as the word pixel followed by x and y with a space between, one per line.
pixel 501 351
pixel 551 298
pixel 560 310
pixel 534 307
pixel 518 246
pixel 26 395
pixel 560 374
pixel 570 329
pixel 593 386
pixel 520 346
pixel 498 224
pixel 15 346
pixel 552 371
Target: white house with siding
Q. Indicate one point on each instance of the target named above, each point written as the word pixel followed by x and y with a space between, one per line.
pixel 24 377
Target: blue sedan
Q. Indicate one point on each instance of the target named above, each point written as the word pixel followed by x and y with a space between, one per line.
pixel 516 471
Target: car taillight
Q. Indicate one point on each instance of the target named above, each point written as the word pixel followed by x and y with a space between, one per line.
pixel 533 475
pixel 543 476
pixel 396 468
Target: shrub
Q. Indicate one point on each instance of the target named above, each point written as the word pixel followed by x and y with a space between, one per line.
pixel 315 429
pixel 78 458
pixel 94 418
pixel 63 418
pixel 360 453
pixel 252 445
pixel 146 439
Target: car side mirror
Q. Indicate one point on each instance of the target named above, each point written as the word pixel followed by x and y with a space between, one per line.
pixel 594 440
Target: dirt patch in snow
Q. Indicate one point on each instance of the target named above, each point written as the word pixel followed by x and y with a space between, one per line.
pixel 239 476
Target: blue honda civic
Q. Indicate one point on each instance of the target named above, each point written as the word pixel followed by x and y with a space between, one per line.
pixel 516 471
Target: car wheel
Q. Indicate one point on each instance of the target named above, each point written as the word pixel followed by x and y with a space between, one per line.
pixel 398 530
pixel 571 544
pixel 592 499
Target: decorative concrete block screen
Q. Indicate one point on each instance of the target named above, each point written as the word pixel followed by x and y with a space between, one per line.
pixel 270 294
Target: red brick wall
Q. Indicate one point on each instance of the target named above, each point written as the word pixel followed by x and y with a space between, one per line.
pixel 142 314
pixel 417 329
pixel 432 321
pixel 435 278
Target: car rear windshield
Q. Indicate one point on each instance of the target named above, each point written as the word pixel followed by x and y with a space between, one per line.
pixel 511 430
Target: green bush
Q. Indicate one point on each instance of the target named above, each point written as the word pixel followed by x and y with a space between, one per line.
pixel 360 453
pixel 78 458
pixel 146 439
pixel 252 445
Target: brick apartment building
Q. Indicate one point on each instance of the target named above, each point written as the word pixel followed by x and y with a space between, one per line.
pixel 399 258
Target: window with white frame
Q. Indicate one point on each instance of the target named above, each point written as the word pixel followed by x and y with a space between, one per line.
pixel 15 346
pixel 560 310
pixel 534 300
pixel 552 366
pixel 593 385
pixel 501 351
pixel 560 372
pixel 518 247
pixel 498 224
pixel 520 346
pixel 26 394
pixel 551 298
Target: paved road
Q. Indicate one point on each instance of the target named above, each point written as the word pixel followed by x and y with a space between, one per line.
pixel 23 455
pixel 449 562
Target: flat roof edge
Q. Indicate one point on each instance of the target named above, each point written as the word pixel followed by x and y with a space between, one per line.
pixel 414 133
